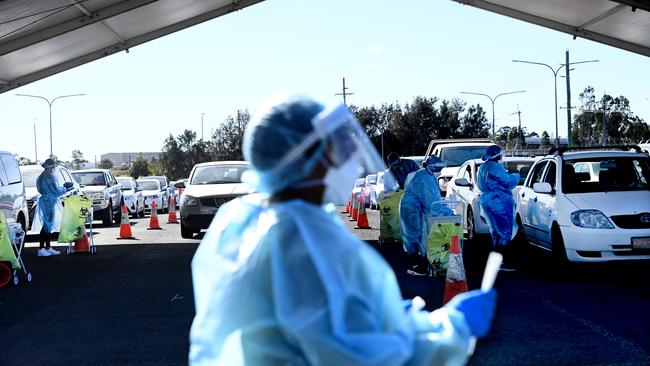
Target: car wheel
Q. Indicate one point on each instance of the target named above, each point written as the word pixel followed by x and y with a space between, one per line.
pixel 141 213
pixel 558 250
pixel 471 225
pixel 186 232
pixel 107 218
pixel 118 215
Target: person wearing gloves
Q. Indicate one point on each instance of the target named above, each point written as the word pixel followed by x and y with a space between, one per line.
pixel 278 278
pixel 496 201
pixel 421 193
pixel 401 168
pixel 50 191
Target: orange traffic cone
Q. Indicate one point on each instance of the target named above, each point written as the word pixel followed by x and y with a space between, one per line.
pixel 171 218
pixel 125 225
pixel 355 208
pixel 350 203
pixel 362 218
pixel 347 206
pixel 456 282
pixel 153 220
pixel 82 245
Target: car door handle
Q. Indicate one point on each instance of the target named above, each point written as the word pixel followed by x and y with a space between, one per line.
pixel 523 195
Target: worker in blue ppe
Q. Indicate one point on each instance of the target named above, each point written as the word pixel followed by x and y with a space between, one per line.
pixel 401 168
pixel 496 201
pixel 278 279
pixel 48 205
pixel 420 200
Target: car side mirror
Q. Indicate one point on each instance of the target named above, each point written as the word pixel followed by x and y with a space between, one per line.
pixel 68 185
pixel 462 182
pixel 542 188
pixel 179 185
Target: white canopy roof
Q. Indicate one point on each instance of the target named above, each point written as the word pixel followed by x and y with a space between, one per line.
pixel 620 23
pixel 39 38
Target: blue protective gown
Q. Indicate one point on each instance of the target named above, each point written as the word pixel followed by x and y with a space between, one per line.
pixel 288 284
pixel 496 200
pixel 419 202
pixel 402 170
pixel 50 191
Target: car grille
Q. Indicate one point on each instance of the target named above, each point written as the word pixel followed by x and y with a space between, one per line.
pixel 640 221
pixel 215 201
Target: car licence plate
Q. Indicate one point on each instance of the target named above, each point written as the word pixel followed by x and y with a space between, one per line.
pixel 641 243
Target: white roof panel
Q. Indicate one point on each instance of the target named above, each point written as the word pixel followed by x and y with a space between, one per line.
pixel 39 38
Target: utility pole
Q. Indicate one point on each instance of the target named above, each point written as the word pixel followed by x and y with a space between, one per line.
pixel 344 93
pixel 604 122
pixel 202 125
pixel 520 135
pixel 35 150
pixel 568 101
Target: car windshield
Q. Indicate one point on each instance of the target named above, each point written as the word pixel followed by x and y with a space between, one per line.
pixel 126 184
pixel 218 174
pixel 372 179
pixel 90 178
pixel 149 185
pixel 360 182
pixel 456 156
pixel 613 174
pixel 29 177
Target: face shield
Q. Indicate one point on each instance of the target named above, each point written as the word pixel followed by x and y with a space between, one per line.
pixel 346 144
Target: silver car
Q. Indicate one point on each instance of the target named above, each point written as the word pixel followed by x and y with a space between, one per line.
pixel 210 185
pixel 101 186
pixel 133 197
pixel 12 191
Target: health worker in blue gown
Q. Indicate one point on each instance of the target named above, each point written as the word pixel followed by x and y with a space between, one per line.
pixel 279 280
pixel 496 201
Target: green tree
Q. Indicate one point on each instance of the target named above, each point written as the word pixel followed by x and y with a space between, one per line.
pixel 545 140
pixel 181 153
pixel 23 160
pixel 77 159
pixel 503 136
pixel 105 164
pixel 474 124
pixel 228 137
pixel 140 167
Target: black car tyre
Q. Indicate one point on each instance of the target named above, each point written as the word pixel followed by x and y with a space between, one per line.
pixel 118 214
pixel 186 231
pixel 107 215
pixel 471 226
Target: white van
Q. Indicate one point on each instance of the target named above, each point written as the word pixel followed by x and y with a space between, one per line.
pixel 12 190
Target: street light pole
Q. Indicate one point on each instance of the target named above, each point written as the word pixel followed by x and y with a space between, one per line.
pixel 555 71
pixel 49 103
pixel 494 100
pixel 202 125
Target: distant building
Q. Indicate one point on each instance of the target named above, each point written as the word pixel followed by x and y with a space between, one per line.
pixel 87 165
pixel 124 159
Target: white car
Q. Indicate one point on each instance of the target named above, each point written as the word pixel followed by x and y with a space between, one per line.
pixel 210 185
pixel 133 196
pixel 463 188
pixel 152 192
pixel 581 220
pixel 30 174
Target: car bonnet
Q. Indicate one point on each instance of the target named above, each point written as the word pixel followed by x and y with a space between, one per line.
pixel 613 203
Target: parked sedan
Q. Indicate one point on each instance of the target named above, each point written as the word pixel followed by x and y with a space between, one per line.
pixel 152 192
pixel 210 185
pixel 463 188
pixel 580 220
pixel 133 197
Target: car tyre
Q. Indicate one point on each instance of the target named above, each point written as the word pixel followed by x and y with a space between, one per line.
pixel 558 250
pixel 141 213
pixel 118 215
pixel 186 231
pixel 107 217
pixel 471 225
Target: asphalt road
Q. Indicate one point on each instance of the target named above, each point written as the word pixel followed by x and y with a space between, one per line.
pixel 131 303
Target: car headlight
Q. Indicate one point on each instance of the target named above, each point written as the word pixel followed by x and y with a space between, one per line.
pixel 97 196
pixel 190 201
pixel 591 219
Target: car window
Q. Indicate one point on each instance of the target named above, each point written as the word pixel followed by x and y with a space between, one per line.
pixel 12 172
pixel 90 178
pixel 467 173
pixel 30 177
pixel 581 168
pixel 536 176
pixel 126 184
pixel 3 175
pixel 360 182
pixel 150 185
pixel 550 174
pixel 520 167
pixel 66 175
pixel 219 174
pixel 614 174
pixel 59 176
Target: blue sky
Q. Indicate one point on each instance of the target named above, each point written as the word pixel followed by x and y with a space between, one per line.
pixel 388 51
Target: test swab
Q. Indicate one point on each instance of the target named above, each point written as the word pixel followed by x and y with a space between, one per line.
pixel 489 276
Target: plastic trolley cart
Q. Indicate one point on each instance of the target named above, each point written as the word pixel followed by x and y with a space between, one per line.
pixel 441 230
pixel 13 268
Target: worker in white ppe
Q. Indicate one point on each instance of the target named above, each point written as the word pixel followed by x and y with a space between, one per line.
pixel 279 280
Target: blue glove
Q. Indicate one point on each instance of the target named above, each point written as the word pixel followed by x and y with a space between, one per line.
pixel 478 308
